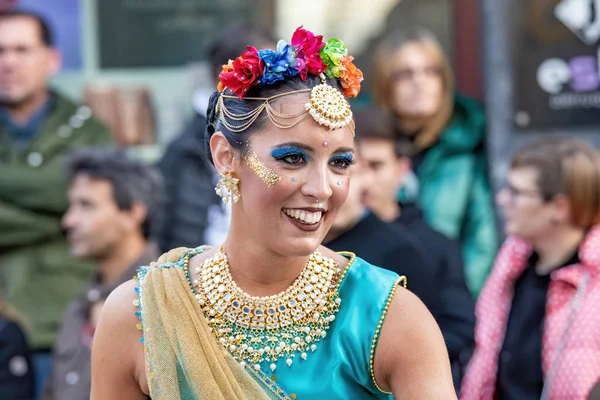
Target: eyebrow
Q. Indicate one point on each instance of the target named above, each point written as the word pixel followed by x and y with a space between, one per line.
pixel 302 146
pixel 343 150
pixel 294 144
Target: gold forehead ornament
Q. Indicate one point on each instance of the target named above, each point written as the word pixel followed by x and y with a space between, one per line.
pixel 326 105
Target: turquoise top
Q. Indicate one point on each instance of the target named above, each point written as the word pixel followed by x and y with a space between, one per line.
pixel 341 365
pixel 340 368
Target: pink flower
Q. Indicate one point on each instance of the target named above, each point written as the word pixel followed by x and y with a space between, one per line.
pixel 308 48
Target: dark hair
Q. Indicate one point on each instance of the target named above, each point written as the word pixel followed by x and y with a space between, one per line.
pixel 132 181
pixel 375 123
pixel 569 167
pixel 232 41
pixel 45 32
pixel 239 141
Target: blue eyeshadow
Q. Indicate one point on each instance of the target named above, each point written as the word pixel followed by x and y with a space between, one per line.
pixel 283 152
pixel 345 156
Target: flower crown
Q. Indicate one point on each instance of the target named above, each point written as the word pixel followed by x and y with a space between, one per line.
pixel 307 54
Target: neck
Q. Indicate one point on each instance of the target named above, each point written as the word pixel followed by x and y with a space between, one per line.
pixel 410 126
pixel 257 271
pixel 21 113
pixel 113 265
pixel 388 212
pixel 554 249
pixel 341 227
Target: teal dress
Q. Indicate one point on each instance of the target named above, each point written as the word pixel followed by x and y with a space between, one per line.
pixel 341 367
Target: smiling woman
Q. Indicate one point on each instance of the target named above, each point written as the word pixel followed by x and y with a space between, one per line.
pixel 272 314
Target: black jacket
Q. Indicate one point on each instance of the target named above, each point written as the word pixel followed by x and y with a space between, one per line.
pixel 16 372
pixel 456 317
pixel 390 247
pixel 189 190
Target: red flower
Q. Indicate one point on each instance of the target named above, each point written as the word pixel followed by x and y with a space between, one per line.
pixel 308 48
pixel 247 71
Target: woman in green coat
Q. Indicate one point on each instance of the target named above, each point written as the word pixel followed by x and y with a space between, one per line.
pixel 445 131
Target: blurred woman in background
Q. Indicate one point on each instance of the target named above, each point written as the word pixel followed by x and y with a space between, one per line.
pixel 538 316
pixel 413 80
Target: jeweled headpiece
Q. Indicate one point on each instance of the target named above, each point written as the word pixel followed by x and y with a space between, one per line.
pixel 307 54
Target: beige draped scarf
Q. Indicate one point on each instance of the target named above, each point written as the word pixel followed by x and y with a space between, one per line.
pixel 183 359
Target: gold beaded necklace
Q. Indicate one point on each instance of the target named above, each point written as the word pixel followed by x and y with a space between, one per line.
pixel 259 329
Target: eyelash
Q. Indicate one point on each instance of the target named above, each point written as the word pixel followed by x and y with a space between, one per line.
pixel 339 162
pixel 287 156
pixel 345 160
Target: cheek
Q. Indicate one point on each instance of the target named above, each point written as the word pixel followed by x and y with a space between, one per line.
pixel 401 92
pixel 339 193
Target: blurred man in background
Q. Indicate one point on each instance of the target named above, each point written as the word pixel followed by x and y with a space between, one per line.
pixel 111 199
pixel 192 213
pixel 37 127
pixel 388 163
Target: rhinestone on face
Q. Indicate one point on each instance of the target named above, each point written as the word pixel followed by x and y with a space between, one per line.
pixel 258 311
pixel 292 303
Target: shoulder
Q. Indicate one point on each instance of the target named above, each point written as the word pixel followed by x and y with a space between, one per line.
pixel 120 305
pixel 119 324
pixel 11 334
pixel 411 355
pixel 80 118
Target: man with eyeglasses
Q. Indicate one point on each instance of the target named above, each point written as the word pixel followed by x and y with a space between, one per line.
pixel 37 127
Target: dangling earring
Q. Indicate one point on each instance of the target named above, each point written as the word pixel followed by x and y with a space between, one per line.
pixel 227 188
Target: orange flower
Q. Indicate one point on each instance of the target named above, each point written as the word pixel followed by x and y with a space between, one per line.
pixel 351 77
pixel 226 68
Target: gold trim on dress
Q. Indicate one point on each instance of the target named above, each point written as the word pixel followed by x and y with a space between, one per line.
pixel 400 281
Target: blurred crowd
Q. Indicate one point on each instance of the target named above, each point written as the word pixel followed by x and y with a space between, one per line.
pixel 78 215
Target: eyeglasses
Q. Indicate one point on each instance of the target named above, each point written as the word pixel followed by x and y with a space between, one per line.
pixel 22 52
pixel 408 74
pixel 514 193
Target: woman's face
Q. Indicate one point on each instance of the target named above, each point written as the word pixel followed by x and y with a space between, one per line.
pixel 527 214
pixel 311 167
pixel 416 79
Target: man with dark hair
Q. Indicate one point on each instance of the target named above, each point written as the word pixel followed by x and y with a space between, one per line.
pixel 37 127
pixel 188 175
pixel 111 202
pixel 389 165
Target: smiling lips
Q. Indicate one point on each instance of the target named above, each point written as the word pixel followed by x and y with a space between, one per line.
pixel 304 216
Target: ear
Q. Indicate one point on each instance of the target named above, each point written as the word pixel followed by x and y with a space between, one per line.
pixel 139 212
pixel 562 208
pixel 403 164
pixel 223 154
pixel 55 61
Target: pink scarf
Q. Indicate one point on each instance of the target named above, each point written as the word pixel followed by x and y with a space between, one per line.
pixel 571 342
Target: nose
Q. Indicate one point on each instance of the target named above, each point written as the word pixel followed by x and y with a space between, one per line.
pixel 8 58
pixel 68 219
pixel 318 184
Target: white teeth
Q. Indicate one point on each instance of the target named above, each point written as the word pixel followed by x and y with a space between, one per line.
pixel 304 216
